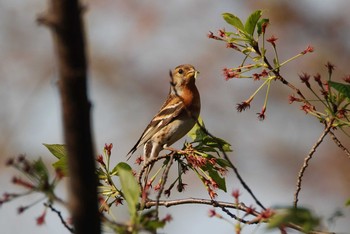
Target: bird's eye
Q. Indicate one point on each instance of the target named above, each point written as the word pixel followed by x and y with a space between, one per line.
pixel 181 71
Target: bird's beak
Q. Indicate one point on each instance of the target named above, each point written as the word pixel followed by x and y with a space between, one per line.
pixel 196 73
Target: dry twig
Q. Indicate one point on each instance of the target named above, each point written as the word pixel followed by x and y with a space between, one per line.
pixel 306 162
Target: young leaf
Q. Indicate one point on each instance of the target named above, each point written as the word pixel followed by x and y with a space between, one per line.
pixel 217 178
pixel 130 188
pixel 149 223
pixel 61 165
pixel 217 143
pixel 341 88
pixel 114 171
pixel 234 21
pixel 251 22
pixel 300 216
pixel 197 133
pixel 57 150
pixel 223 162
pixel 153 225
pixel 60 152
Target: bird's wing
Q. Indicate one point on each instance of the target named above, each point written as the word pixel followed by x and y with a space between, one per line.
pixel 167 113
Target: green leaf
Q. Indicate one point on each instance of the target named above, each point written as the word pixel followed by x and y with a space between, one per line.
pixel 218 143
pixel 260 25
pixel 149 223
pixel 234 21
pixel 114 171
pixel 60 152
pixel 197 133
pixel 223 162
pixel 300 216
pixel 206 142
pixel 130 188
pixel 217 178
pixel 251 22
pixel 341 88
pixel 57 150
pixel 61 165
pixel 153 225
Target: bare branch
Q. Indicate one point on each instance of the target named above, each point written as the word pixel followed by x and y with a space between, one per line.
pixel 226 205
pixel 144 167
pixel 339 144
pixel 60 217
pixel 169 203
pixel 164 179
pixel 306 162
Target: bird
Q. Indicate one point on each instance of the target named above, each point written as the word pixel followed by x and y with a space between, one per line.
pixel 176 117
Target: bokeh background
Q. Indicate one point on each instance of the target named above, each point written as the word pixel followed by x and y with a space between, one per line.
pixel 132 45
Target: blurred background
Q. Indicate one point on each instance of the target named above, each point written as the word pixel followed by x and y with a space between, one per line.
pixel 132 45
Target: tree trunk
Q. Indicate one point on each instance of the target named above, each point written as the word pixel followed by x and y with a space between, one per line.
pixel 64 20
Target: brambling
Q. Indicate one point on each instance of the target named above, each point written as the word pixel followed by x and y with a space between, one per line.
pixel 175 118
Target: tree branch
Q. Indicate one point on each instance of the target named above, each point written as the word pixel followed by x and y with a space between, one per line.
pixel 64 20
pixel 226 205
pixel 59 214
pixel 339 144
pixel 169 203
pixel 306 162
pixel 164 179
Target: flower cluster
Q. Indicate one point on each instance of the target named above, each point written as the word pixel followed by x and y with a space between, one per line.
pixel 256 65
pixel 108 189
pixel 230 73
pixel 211 186
pixel 331 95
pixel 37 181
pixel 205 165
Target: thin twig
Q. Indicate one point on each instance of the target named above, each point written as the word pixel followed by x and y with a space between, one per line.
pixel 298 228
pixel 244 184
pixel 306 162
pixel 176 202
pixel 59 216
pixel 280 78
pixel 164 179
pixel 233 216
pixel 144 167
pixel 339 144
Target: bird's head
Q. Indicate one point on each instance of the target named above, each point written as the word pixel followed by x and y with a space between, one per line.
pixel 184 75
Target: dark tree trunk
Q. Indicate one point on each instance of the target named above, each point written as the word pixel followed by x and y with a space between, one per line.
pixel 65 22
